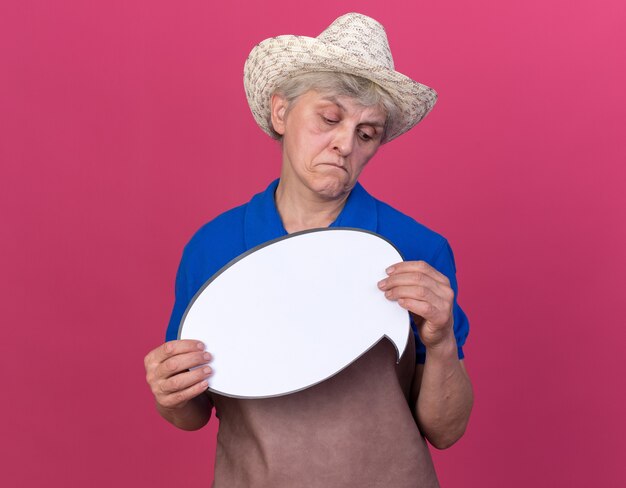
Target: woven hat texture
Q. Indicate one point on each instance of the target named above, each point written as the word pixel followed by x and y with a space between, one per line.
pixel 353 44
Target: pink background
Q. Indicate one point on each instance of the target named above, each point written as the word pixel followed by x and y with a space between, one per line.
pixel 124 127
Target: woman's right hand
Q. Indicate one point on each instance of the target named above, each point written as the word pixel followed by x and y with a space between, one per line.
pixel 167 372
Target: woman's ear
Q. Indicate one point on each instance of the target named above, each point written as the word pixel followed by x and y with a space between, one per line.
pixel 279 111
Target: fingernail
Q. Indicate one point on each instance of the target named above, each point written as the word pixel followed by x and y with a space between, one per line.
pixel 200 345
pixel 206 356
pixel 387 294
pixel 204 384
pixel 389 270
pixel 206 370
pixel 381 284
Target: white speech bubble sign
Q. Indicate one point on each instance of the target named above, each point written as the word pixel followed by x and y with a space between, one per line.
pixel 293 312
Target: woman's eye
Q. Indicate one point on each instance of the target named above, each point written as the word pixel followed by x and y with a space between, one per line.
pixel 365 136
pixel 330 121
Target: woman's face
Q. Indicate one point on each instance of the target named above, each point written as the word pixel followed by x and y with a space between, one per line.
pixel 327 141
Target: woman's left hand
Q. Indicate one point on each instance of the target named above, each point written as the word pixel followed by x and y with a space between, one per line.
pixel 426 293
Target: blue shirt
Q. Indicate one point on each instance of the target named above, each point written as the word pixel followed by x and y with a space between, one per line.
pixel 242 228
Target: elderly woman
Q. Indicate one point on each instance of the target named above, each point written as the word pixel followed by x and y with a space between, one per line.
pixel 331 101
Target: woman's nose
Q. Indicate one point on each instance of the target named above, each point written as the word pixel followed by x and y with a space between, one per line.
pixel 343 141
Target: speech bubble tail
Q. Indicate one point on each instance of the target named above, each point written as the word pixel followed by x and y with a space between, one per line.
pixel 398 344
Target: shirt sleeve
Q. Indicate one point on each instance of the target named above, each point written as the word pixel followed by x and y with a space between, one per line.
pixel 443 261
pixel 180 303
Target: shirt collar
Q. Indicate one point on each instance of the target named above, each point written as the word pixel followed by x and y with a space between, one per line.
pixel 263 223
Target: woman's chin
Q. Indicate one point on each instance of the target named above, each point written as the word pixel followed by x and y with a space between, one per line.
pixel 331 188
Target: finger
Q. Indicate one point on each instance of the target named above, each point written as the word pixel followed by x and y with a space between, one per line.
pixel 419 266
pixel 177 399
pixel 426 310
pixel 420 293
pixel 414 278
pixel 421 280
pixel 184 380
pixel 172 348
pixel 182 362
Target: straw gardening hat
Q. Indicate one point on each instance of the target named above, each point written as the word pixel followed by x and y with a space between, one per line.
pixel 353 44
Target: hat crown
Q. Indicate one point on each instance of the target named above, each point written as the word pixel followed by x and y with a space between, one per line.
pixel 362 37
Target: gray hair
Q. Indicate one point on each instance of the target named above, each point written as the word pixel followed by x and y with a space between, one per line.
pixel 366 92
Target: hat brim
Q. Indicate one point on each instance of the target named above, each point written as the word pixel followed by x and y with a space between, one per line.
pixel 277 59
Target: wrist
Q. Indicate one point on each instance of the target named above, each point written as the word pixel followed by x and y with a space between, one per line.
pixel 444 349
pixel 190 415
pixel 171 412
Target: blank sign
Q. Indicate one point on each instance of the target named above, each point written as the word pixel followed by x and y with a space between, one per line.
pixel 292 313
